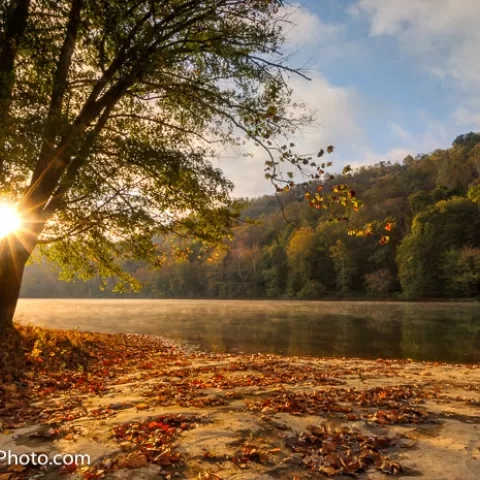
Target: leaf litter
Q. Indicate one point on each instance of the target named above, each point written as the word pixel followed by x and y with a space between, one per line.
pixel 54 379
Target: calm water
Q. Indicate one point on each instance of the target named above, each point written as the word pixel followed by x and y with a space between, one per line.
pixel 429 331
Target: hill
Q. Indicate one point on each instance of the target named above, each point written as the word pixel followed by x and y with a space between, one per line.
pixel 428 206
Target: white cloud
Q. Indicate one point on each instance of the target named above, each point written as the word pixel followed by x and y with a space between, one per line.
pixel 337 122
pixel 435 135
pixel 314 41
pixel 303 27
pixel 336 110
pixel 444 33
pixel 465 116
pixel 432 29
pixel 368 157
pixel 399 131
pixel 340 117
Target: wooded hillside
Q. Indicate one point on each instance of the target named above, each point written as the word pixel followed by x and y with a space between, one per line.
pixel 428 208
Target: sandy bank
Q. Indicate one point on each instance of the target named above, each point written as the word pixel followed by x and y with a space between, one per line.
pixel 169 411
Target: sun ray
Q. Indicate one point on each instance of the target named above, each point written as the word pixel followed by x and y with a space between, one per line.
pixel 10 220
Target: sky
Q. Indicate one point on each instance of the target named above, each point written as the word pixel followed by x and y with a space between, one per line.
pixel 389 78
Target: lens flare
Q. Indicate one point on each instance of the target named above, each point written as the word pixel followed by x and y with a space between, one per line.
pixel 10 220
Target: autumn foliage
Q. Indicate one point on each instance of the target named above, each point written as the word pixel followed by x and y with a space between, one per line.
pixel 55 374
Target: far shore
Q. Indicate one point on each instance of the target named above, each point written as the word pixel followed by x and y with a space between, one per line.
pixel 385 299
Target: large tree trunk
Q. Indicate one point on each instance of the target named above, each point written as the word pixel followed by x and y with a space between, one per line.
pixel 13 257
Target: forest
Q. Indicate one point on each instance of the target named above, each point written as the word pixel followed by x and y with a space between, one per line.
pixel 425 208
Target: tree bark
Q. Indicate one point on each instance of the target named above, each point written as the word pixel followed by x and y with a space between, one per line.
pixel 13 257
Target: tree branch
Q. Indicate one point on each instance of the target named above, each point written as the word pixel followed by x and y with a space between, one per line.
pixel 280 66
pixel 14 31
pixel 163 123
pixel 58 88
pixel 75 166
pixel 41 188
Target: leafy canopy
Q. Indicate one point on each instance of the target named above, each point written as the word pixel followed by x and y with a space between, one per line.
pixel 111 113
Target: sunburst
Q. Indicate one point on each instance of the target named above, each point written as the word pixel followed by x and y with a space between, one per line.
pixel 10 220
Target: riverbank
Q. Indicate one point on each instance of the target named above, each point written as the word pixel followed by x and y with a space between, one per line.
pixel 330 297
pixel 143 407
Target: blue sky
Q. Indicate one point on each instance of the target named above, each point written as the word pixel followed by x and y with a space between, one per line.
pixel 389 78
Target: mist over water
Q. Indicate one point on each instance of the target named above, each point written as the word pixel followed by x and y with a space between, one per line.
pixel 447 332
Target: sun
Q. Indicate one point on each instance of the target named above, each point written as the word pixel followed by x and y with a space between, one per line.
pixel 10 220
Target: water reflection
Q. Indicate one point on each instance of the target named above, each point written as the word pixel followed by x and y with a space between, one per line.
pixel 433 331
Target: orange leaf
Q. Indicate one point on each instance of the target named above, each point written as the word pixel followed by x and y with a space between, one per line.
pixel 384 240
pixel 330 471
pixel 72 467
pixel 17 468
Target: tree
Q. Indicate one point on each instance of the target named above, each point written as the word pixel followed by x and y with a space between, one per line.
pixel 467 139
pixel 474 160
pixel 414 270
pixel 449 224
pixel 108 116
pixel 344 265
pixel 474 193
pixel 379 281
pixel 462 271
pixel 418 201
pixel 300 252
pixel 276 272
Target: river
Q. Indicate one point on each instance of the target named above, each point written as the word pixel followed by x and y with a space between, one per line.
pixel 443 332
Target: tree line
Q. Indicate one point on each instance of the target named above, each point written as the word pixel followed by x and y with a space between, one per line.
pixel 427 207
